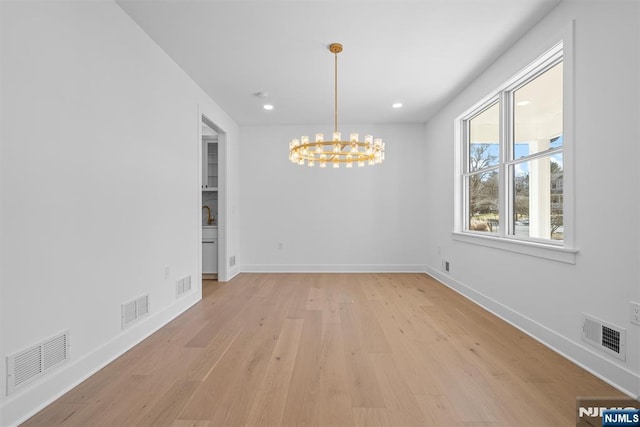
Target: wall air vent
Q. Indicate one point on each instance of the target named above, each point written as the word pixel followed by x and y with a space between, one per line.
pixel 134 310
pixel 183 285
pixel 605 336
pixel 28 365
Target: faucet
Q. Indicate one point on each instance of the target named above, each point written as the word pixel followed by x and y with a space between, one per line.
pixel 210 219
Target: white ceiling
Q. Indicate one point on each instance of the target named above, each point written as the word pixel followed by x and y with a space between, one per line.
pixel 418 52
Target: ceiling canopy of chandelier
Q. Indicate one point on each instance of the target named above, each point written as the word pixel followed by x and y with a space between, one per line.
pixel 336 150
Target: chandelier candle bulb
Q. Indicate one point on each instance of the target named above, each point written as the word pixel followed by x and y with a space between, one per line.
pixel 353 137
pixel 319 137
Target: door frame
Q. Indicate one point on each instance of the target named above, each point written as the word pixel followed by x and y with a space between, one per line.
pixel 222 195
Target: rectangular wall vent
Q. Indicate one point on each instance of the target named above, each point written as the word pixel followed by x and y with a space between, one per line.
pixel 26 366
pixel 183 285
pixel 605 336
pixel 134 310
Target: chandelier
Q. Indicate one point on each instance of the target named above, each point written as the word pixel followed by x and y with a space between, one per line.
pixel 335 151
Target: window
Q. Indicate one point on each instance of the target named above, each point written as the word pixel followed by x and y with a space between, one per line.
pixel 511 181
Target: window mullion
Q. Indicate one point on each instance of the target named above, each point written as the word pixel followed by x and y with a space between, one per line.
pixel 503 176
pixel 538 155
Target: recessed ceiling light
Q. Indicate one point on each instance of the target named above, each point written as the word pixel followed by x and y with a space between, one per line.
pixel 523 103
pixel 397 105
pixel 267 107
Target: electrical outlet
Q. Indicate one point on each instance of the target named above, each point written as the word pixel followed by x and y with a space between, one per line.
pixel 446 266
pixel 232 260
pixel 280 246
pixel 635 312
pixel 167 273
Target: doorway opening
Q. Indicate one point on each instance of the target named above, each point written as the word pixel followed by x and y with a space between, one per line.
pixel 212 201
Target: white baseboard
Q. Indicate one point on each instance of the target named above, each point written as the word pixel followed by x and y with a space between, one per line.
pixel 333 268
pixel 607 370
pixel 28 401
pixel 231 273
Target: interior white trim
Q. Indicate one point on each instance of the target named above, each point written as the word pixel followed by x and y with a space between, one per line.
pixel 203 117
pixel 564 48
pixel 599 365
pixel 539 250
pixel 231 273
pixel 333 268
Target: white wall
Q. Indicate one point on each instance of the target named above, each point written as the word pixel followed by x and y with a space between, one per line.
pixel 546 298
pixel 229 199
pixel 370 219
pixel 100 185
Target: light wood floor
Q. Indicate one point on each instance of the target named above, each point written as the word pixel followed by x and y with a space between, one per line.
pixel 331 349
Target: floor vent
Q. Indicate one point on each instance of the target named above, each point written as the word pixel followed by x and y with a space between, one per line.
pixel 134 310
pixel 183 285
pixel 605 336
pixel 28 365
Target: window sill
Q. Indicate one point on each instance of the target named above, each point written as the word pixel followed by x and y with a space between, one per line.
pixel 539 250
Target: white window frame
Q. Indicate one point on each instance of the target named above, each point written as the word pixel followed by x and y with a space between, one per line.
pixel 563 251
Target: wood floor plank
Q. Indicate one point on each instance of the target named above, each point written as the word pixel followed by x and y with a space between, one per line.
pixel 315 298
pixel 335 406
pixel 401 403
pixel 268 406
pixel 190 423
pixel 331 301
pixel 166 409
pixel 372 417
pixel 362 320
pixel 364 388
pixel 301 289
pixel 438 410
pixel 293 349
pixel 414 364
pixel 301 402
